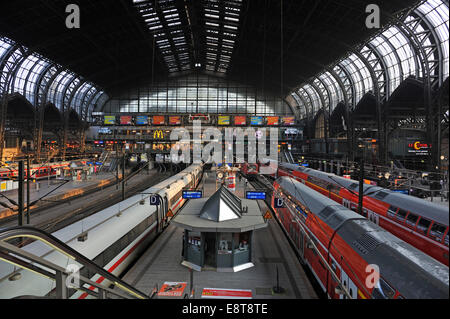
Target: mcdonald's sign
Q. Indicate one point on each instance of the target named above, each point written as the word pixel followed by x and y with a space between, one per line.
pixel 158 134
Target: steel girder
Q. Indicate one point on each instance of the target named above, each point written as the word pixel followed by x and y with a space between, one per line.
pixel 11 61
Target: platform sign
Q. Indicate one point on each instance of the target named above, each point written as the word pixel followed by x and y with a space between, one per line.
pixel 172 289
pixel 278 203
pixel 218 293
pixel 401 191
pixel 192 194
pixel 255 195
pixel 154 200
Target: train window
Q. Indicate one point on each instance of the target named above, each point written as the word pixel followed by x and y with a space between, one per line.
pixel 423 225
pixel 392 211
pixel 383 290
pixel 446 240
pixel 437 231
pixel 401 214
pixel 412 219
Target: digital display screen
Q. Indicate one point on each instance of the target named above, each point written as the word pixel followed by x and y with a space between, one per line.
pixel 159 120
pixel 240 120
pixel 273 120
pixel 110 119
pixel 256 120
pixel 223 120
pixel 255 195
pixel 142 120
pixel 174 120
pixel 125 120
pixel 188 194
pixel 288 120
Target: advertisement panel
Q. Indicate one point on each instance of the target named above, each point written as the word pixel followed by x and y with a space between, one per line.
pixel 174 120
pixel 288 120
pixel 218 293
pixel 273 120
pixel 223 120
pixel 256 120
pixel 125 120
pixel 142 120
pixel 159 120
pixel 109 120
pixel 172 289
pixel 240 120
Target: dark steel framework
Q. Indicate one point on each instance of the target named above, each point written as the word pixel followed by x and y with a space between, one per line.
pixel 414 44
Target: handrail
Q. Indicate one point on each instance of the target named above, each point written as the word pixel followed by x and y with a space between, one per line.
pixel 50 240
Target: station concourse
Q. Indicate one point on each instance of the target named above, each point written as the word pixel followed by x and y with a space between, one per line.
pixel 224 149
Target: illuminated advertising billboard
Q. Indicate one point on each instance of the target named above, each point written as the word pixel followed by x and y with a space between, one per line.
pixel 109 120
pixel 288 120
pixel 223 120
pixel 273 120
pixel 240 120
pixel 419 148
pixel 174 120
pixel 256 120
pixel 159 120
pixel 125 120
pixel 142 120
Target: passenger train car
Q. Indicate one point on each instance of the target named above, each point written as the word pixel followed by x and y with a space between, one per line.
pixel 250 170
pixel 423 224
pixel 353 247
pixel 38 171
pixel 115 236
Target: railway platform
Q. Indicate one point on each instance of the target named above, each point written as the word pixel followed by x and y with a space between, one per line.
pixel 160 268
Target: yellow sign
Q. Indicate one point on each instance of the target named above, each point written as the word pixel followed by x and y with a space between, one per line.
pixel 223 120
pixel 267 215
pixel 158 134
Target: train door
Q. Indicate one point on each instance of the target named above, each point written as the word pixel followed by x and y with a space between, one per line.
pixel 349 285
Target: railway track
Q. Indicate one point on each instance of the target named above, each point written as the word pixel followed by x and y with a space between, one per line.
pixel 84 206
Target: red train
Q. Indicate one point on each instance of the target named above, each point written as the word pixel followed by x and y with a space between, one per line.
pixel 250 170
pixel 350 256
pixel 38 171
pixel 423 224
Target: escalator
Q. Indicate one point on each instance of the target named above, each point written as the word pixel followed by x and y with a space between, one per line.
pixel 26 260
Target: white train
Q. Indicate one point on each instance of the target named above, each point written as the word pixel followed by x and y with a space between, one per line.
pixel 115 236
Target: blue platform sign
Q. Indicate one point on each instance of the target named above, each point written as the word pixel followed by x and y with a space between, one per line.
pixel 154 200
pixel 278 203
pixel 255 195
pixel 98 163
pixel 305 164
pixel 401 191
pixel 192 194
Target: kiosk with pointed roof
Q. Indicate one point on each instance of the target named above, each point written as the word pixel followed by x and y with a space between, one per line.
pixel 218 231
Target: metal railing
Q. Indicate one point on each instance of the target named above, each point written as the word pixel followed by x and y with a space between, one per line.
pixel 18 257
